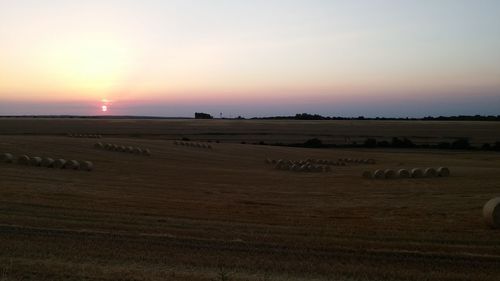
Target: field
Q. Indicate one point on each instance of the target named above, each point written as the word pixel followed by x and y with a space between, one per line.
pixel 188 213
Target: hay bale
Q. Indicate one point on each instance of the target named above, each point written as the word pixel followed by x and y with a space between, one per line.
pixel 137 150
pixel 370 161
pixel 87 166
pixel 108 146
pixel 491 213
pixel 130 149
pixel 72 164
pixel 443 172
pixel 367 175
pixel 115 147
pixel 268 161
pixel 59 163
pixel 430 173
pixel 6 158
pixel 47 162
pixel 146 152
pixel 36 161
pixel 303 168
pixel 23 160
pixel 378 174
pixel 403 173
pixel 98 145
pixel 122 148
pixel 389 174
pixel 417 173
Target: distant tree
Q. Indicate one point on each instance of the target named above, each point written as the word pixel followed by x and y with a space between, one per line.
pixel 201 115
pixel 444 145
pixel 486 146
pixel 314 143
pixel 496 146
pixel 370 142
pixel 462 143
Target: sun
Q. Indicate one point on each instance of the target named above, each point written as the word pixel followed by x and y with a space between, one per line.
pixel 104 108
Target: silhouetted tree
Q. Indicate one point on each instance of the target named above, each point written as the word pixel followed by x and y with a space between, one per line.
pixel 201 115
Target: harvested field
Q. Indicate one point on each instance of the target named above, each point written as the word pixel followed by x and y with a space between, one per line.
pixel 270 131
pixel 196 214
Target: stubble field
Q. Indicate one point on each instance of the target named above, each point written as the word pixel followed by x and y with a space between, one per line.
pixel 187 213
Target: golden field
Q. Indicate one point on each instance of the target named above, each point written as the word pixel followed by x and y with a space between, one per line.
pixel 187 213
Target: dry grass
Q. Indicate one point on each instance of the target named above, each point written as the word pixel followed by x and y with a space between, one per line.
pixel 186 214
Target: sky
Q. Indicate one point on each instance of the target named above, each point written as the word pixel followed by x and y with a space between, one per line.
pixel 392 58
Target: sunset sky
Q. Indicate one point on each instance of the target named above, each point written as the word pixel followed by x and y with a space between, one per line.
pixel 250 58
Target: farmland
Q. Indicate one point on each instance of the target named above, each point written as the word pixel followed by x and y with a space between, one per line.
pixel 224 214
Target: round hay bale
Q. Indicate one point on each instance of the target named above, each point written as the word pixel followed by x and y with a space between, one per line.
pixel 122 148
pixel 491 212
pixel 115 147
pixel 389 174
pixel 59 163
pixel 108 146
pixel 403 173
pixel 367 175
pixel 6 158
pixel 23 160
pixel 47 162
pixel 378 174
pixel 72 164
pixel 370 161
pixel 417 173
pixel 146 152
pixel 296 168
pixel 430 173
pixel 130 149
pixel 268 161
pixel 443 172
pixel 98 145
pixel 87 166
pixel 36 161
pixel 137 150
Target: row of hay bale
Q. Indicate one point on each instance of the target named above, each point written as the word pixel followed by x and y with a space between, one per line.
pixel 299 166
pixel 404 173
pixel 84 136
pixel 338 162
pixel 193 144
pixel 357 161
pixel 123 148
pixel 47 162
